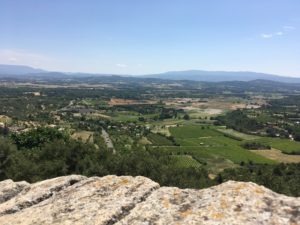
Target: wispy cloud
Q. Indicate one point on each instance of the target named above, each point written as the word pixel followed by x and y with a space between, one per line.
pixel 289 27
pixel 121 65
pixel 267 36
pixel 284 30
pixel 271 35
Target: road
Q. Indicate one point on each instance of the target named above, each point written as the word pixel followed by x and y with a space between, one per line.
pixel 108 141
pixel 65 107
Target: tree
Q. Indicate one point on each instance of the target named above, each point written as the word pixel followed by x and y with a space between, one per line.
pixel 186 117
pixel 7 149
pixel 219 179
pixel 37 137
pixel 297 137
pixel 4 130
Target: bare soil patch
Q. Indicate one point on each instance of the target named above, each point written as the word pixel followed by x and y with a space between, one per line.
pixel 119 101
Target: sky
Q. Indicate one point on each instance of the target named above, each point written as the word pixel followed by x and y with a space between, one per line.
pixel 152 36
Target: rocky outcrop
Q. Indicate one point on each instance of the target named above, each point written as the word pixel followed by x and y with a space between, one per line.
pixel 9 189
pixel 138 200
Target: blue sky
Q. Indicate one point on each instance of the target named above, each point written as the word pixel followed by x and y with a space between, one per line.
pixel 151 36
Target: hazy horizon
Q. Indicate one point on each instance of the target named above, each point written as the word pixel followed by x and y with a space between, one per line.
pixel 162 72
pixel 148 37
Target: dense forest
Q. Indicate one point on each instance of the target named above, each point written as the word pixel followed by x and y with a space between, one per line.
pixel 239 121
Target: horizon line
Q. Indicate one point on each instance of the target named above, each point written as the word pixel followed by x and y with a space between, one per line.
pixel 145 74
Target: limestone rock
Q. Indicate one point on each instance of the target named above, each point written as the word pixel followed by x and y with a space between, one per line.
pixel 88 201
pixel 228 203
pixel 9 189
pixel 37 193
pixel 138 200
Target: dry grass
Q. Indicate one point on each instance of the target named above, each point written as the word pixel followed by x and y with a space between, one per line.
pixel 85 136
pixel 98 116
pixel 277 155
pixel 5 119
pixel 144 141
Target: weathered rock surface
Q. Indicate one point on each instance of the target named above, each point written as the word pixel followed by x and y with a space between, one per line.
pixel 228 203
pixel 9 189
pixel 138 200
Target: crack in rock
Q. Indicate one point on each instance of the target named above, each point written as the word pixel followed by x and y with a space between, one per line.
pixel 125 210
pixel 35 194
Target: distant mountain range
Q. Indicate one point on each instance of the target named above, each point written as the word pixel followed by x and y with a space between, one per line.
pixel 194 75
pixel 18 70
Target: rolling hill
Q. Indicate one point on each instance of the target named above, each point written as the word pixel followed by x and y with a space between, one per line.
pixel 18 70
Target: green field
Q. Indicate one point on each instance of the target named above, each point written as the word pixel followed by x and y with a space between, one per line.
pixel 193 131
pixel 211 141
pixel 159 140
pixel 284 145
pixel 235 154
pixel 129 116
pixel 185 161
pixel 125 118
pixel 236 134
pixel 188 156
pixel 210 147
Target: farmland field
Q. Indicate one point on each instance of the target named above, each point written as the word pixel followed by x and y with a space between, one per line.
pixel 208 145
pixel 185 161
pixel 193 132
pixel 157 139
pixel 277 155
pixel 284 145
pixel 210 140
pixel 239 135
pixel 125 116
